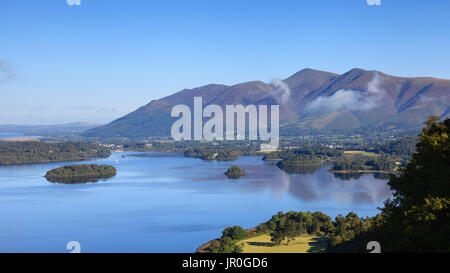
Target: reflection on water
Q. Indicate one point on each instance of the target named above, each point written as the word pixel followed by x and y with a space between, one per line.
pixel 320 185
pixel 304 169
pixel 348 176
pixel 165 202
pixel 357 175
pixel 384 176
pixel 75 180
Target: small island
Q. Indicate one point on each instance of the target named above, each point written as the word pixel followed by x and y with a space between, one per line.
pixel 300 164
pixel 234 172
pixel 212 154
pixel 74 174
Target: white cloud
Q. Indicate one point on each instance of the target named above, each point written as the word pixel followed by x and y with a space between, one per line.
pixel 351 100
pixel 282 90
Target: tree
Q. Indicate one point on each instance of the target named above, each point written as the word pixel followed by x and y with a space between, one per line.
pixel 418 218
pixel 271 225
pixel 235 233
pixel 428 172
pixel 290 230
pixel 214 247
pixel 228 245
pixel 277 236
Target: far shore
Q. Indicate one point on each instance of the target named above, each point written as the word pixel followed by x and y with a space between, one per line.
pixel 19 139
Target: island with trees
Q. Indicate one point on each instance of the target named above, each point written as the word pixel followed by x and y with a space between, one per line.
pixel 300 164
pixel 19 153
pixel 306 159
pixel 234 172
pixel 212 154
pixel 74 174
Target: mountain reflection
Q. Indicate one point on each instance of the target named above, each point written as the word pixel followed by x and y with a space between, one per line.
pixel 320 185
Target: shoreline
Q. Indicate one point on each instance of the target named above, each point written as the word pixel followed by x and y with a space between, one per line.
pixel 359 171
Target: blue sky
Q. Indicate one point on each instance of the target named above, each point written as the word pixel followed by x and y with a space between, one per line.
pixel 100 60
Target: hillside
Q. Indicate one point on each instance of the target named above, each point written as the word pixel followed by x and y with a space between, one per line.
pixel 310 101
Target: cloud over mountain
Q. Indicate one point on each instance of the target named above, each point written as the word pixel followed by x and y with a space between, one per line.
pixel 281 90
pixel 351 100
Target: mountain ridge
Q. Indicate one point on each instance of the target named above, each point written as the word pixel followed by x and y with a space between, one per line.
pixel 310 101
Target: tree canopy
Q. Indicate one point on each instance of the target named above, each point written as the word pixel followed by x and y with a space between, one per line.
pixel 15 153
pixel 234 172
pixel 72 174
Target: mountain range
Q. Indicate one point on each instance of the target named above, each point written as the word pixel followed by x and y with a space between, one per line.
pixel 311 101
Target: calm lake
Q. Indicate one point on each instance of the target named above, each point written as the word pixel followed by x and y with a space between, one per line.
pixel 12 135
pixel 164 202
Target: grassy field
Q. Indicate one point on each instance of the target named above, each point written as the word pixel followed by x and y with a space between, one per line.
pixel 360 153
pixel 301 244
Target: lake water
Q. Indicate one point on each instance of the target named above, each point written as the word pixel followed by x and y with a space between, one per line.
pixel 12 135
pixel 164 203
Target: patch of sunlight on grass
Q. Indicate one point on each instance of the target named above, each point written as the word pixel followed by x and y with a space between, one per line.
pixel 301 244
